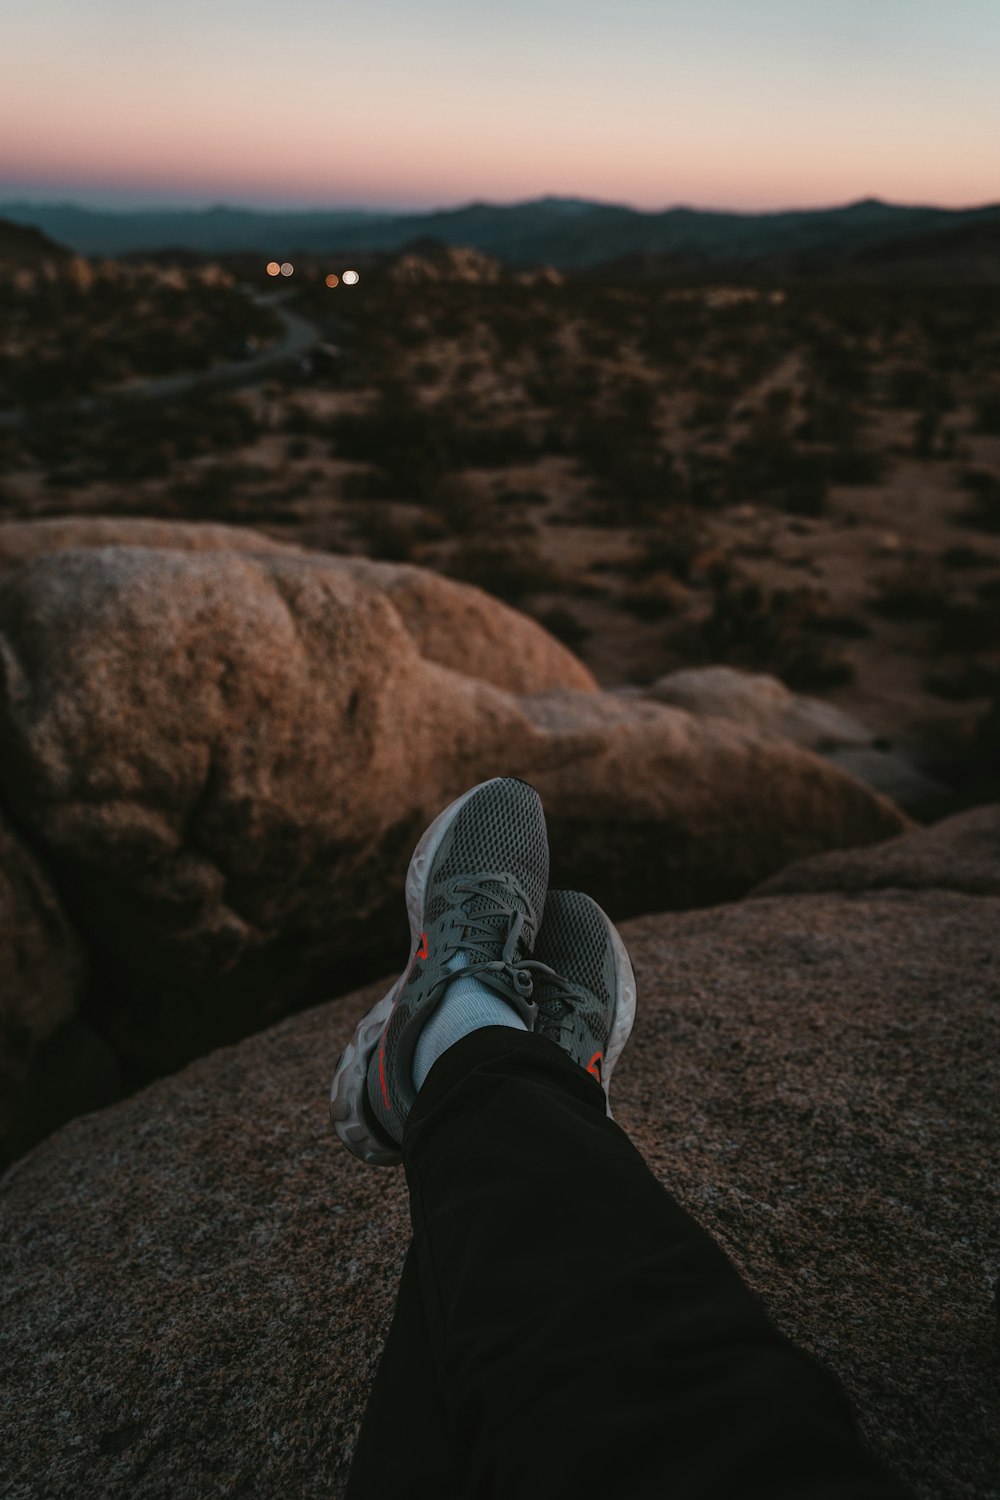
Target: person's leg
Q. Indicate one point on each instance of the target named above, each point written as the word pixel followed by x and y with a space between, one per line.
pixel 590 1336
pixel 409 1444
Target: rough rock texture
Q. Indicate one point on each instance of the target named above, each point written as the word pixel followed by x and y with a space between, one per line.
pixel 198 1280
pixel 20 541
pixel 765 704
pixel 961 853
pixel 761 702
pixel 466 629
pixel 451 623
pixel 225 760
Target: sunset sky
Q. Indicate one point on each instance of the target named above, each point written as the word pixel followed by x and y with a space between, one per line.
pixel 747 104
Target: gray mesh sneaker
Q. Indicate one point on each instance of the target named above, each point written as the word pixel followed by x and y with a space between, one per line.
pixel 475 887
pixel 584 984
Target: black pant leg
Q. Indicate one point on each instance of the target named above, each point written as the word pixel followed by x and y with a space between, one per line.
pixel 593 1339
pixel 408 1446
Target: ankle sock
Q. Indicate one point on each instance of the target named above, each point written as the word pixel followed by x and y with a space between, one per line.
pixel 466 1005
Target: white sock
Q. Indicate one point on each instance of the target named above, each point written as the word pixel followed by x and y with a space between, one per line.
pixel 466 1005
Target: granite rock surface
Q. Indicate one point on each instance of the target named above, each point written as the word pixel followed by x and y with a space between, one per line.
pixel 961 853
pixel 199 1279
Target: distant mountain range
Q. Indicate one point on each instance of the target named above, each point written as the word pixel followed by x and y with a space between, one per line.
pixel 566 232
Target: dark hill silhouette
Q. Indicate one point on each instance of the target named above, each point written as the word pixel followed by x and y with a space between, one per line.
pixel 570 233
pixel 22 244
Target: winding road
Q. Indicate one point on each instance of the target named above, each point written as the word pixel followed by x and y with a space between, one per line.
pixel 299 337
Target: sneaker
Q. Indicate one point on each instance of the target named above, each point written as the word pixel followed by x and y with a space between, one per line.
pixel 584 984
pixel 475 893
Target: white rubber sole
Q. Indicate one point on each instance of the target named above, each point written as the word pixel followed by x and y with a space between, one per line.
pixel 624 1017
pixel 351 1078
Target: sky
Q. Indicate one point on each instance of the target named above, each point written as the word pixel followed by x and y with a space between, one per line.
pixel 418 104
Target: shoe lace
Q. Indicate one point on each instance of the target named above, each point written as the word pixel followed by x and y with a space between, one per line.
pixel 493 908
pixel 557 1010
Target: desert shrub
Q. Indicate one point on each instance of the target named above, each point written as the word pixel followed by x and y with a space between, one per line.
pixel 766 465
pixel 515 497
pixel 510 572
pixel 855 464
pixel 965 557
pixel 460 507
pixel 598 342
pixel 840 364
pixel 299 421
pixel 969 624
pixel 984 511
pixel 391 538
pixel 564 625
pixel 916 386
pixel 671 544
pixel 707 411
pixel 622 450
pixel 658 596
pixel 849 627
pixel 829 418
pixel 987 418
pixel 927 435
pixel 975 680
pixel 750 625
pixel 915 589
pixel 141 439
pixel 412 444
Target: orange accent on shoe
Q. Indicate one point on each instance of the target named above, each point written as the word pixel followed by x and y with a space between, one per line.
pixel 422 950
pixel 595 1072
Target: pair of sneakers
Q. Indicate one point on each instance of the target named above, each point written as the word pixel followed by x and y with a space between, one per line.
pixel 478 904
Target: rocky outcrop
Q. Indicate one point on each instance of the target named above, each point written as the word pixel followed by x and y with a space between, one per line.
pixel 760 702
pixel 198 1280
pixel 225 757
pixel 451 623
pixel 961 853
pixel 764 703
pixel 463 628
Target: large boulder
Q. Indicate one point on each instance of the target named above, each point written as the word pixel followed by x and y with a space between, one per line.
pixel 764 703
pixel 961 853
pixel 20 541
pixel 225 758
pixel 761 702
pixel 198 1280
pixel 451 623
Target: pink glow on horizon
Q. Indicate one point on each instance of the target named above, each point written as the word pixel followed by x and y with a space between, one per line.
pixel 225 146
pixel 720 104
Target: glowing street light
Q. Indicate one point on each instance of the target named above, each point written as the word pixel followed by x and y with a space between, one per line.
pixel 287 268
pixel 333 279
pixel 351 278
pixel 273 269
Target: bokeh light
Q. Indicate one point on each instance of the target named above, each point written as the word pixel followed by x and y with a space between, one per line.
pixel 333 279
pixel 287 268
pixel 351 278
pixel 273 269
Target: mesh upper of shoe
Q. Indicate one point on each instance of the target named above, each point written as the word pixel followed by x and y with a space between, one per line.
pixel 575 941
pixel 497 841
